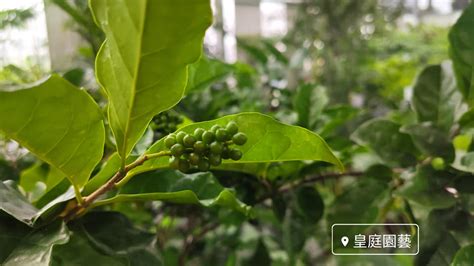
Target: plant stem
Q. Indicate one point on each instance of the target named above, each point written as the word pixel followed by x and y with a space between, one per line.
pixel 309 180
pixel 85 202
pixel 77 193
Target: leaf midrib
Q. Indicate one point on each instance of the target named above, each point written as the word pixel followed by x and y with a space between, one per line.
pixel 123 149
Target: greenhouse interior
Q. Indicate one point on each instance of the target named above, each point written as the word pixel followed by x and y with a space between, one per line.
pixel 237 132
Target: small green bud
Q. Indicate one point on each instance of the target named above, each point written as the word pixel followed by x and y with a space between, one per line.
pixel 208 137
pixel 189 141
pixel 235 154
pixel 177 150
pixel 232 128
pixel 180 137
pixel 239 139
pixel 216 148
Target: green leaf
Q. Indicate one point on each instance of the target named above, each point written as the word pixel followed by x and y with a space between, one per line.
pixel 309 102
pixel 466 122
pixel 57 122
pixel 436 98
pixel 16 205
pixel 430 140
pixel 465 256
pixel 173 186
pixel 310 205
pixel 461 39
pixel 386 140
pixel 36 248
pixel 11 233
pixel 268 141
pixel 113 234
pixel 205 72
pixel 260 256
pixel 279 56
pixel 78 251
pixel 142 65
pixel 368 194
pixel 427 188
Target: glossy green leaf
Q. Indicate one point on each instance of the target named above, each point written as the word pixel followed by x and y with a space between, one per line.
pixel 57 122
pixel 368 194
pixel 465 256
pixel 466 122
pixel 430 140
pixel 36 249
pixel 310 205
pixel 113 234
pixel 436 98
pixel 16 205
pixel 11 233
pixel 79 251
pixel 386 140
pixel 309 102
pixel 427 188
pixel 268 141
pixel 142 65
pixel 205 72
pixel 172 186
pixel 461 39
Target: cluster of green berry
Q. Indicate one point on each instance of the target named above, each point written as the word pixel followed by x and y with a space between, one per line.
pixel 165 123
pixel 205 148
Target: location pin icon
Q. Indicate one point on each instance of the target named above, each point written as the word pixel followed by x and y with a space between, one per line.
pixel 344 240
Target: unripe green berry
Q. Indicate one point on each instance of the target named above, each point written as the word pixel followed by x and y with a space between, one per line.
pixel 438 163
pixel 180 137
pixel 214 128
pixel 170 141
pixel 203 165
pixel 232 128
pixel 183 165
pixel 225 152
pixel 174 162
pixel 208 137
pixel 177 150
pixel 199 147
pixel 215 159
pixel 235 154
pixel 189 141
pixel 198 133
pixel 194 158
pixel 239 139
pixel 221 135
pixel 216 148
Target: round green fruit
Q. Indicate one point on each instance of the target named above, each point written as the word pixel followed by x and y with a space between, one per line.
pixel 438 163
pixel 208 137
pixel 177 150
pixel 232 128
pixel 239 139
pixel 170 141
